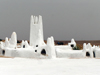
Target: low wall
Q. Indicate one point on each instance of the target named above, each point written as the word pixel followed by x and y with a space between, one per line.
pixel 97 53
pixel 70 53
pixel 64 47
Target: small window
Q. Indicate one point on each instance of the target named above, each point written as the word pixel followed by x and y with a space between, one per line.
pixel 36 45
pixel 72 45
pixel 35 50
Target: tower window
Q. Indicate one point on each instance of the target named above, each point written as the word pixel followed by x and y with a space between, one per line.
pixel 3 52
pixel 35 50
pixel 36 45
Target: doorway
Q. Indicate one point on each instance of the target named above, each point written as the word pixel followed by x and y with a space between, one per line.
pixel 43 52
pixel 87 54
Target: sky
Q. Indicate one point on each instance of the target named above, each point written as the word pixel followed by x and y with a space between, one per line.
pixel 63 19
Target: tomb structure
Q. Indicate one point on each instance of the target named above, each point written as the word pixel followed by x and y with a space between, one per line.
pixel 37 48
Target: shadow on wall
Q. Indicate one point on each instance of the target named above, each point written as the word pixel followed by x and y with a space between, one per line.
pixel 87 54
pixel 94 54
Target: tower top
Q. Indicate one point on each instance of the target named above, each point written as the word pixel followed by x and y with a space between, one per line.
pixel 36 31
pixel 36 20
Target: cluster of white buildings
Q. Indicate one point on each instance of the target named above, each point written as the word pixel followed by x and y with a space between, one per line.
pixel 37 48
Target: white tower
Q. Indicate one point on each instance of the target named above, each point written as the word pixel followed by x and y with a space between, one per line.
pixel 36 31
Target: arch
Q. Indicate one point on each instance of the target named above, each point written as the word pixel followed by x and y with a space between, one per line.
pixel 72 45
pixel 88 54
pixel 94 54
pixel 43 52
pixel 36 45
pixel 23 46
pixel 3 52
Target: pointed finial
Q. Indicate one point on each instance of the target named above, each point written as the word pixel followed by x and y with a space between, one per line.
pixel 84 46
pixel 40 19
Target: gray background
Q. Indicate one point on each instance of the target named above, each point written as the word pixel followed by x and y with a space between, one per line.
pixel 63 19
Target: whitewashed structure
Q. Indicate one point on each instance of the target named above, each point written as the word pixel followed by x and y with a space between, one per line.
pixel 39 49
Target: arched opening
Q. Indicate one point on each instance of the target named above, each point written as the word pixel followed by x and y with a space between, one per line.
pixel 36 45
pixel 72 45
pixel 43 52
pixel 3 52
pixel 93 54
pixel 87 54
pixel 23 46
pixel 35 50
